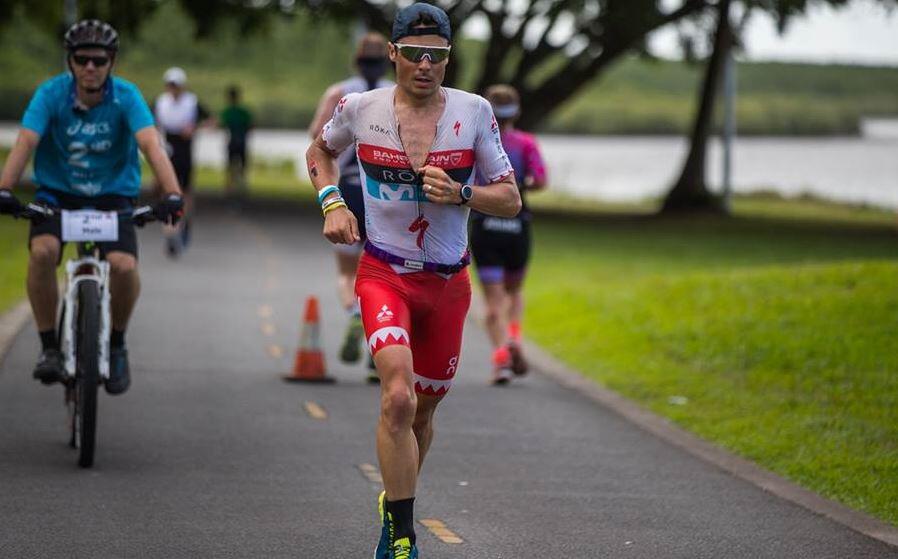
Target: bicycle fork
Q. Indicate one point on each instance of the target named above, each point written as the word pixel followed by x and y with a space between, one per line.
pixel 78 271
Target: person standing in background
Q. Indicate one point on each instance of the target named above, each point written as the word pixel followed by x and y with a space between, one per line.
pixel 371 62
pixel 178 115
pixel 238 121
pixel 501 245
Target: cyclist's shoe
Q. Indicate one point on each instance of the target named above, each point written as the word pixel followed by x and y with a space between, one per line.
pixel 50 367
pixel 373 377
pixel 350 352
pixel 403 549
pixel 519 365
pixel 119 371
pixel 386 536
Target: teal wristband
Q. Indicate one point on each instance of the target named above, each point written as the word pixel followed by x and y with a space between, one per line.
pixel 326 191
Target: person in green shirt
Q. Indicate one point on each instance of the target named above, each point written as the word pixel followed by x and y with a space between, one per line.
pixel 238 121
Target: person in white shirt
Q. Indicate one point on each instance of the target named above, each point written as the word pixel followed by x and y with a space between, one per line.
pixel 178 115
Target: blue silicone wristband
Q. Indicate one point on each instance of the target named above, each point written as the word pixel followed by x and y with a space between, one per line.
pixel 326 191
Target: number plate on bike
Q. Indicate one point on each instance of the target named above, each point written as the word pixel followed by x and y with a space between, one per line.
pixel 89 225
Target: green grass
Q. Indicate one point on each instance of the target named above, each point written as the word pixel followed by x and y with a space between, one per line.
pixel 285 72
pixel 779 333
pixel 13 245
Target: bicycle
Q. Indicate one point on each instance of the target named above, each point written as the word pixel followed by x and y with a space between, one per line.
pixel 84 322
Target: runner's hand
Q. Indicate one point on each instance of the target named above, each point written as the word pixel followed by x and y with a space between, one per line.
pixel 9 204
pixel 170 209
pixel 438 187
pixel 341 227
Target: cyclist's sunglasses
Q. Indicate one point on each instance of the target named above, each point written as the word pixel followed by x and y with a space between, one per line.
pixel 417 53
pixel 82 60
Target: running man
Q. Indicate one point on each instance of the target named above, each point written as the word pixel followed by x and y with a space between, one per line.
pixel 417 144
pixel 178 115
pixel 371 62
pixel 501 246
pixel 238 121
pixel 87 126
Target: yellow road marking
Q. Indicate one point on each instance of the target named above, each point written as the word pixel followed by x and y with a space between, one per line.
pixel 371 472
pixel 275 351
pixel 315 411
pixel 265 311
pixel 268 329
pixel 439 529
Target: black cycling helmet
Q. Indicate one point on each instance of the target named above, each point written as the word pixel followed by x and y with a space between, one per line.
pixel 91 33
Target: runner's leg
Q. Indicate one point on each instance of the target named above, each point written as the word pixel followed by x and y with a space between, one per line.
pixel 397 448
pixel 423 425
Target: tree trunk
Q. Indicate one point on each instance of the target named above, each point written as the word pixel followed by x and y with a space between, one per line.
pixel 690 192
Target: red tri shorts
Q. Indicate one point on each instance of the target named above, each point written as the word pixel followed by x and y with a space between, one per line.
pixel 421 310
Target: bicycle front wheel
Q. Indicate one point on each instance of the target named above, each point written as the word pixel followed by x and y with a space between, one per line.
pixel 87 375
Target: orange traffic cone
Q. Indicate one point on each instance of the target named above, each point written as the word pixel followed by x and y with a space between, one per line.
pixel 309 363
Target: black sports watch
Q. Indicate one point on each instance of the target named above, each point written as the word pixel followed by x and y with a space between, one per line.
pixel 466 193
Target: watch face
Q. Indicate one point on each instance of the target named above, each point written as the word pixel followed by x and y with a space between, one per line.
pixel 467 192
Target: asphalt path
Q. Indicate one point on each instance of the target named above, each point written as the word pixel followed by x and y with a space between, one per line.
pixel 211 454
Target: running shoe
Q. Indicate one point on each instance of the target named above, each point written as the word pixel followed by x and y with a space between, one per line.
pixel 386 528
pixel 351 352
pixel 373 377
pixel 173 246
pixel 501 376
pixel 501 366
pixel 519 365
pixel 404 549
pixel 185 233
pixel 49 368
pixel 119 371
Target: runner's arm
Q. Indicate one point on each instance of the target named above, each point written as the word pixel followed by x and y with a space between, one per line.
pixel 150 144
pixel 340 225
pixel 500 198
pixel 26 142
pixel 325 110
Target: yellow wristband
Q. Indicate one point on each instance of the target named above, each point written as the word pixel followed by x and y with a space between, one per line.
pixel 332 207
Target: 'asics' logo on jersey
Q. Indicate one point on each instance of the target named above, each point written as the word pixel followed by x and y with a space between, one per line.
pixel 88 128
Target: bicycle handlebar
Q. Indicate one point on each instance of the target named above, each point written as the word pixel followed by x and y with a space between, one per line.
pixel 37 212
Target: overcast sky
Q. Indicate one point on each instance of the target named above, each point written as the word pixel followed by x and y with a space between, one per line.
pixel 864 32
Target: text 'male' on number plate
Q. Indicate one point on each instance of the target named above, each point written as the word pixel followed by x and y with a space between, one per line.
pixel 89 225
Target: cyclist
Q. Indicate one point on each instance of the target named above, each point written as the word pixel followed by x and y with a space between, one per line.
pixel 371 62
pixel 417 145
pixel 178 115
pixel 86 127
pixel 501 246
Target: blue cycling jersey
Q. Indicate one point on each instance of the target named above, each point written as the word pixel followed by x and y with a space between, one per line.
pixel 87 152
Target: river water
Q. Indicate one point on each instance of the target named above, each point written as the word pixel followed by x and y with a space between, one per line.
pixel 860 169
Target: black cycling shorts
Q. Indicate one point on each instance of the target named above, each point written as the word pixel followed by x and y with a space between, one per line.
pixel 500 242
pixel 127 234
pixel 355 200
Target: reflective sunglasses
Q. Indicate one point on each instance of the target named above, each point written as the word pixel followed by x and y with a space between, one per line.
pixel 82 60
pixel 417 53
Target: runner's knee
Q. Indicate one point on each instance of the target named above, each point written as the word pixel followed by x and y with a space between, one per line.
pixel 398 405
